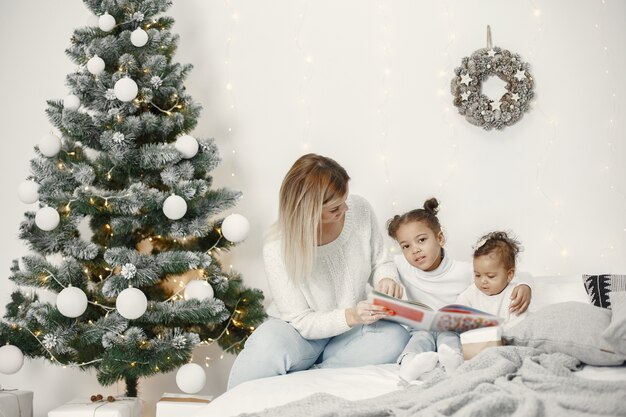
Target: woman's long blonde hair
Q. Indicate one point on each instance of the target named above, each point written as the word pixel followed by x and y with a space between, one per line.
pixel 312 181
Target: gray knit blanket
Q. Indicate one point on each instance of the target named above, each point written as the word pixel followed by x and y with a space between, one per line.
pixel 504 381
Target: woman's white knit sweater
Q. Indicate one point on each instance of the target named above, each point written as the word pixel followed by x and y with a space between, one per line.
pixel 341 270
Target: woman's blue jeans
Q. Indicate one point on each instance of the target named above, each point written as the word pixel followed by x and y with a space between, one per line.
pixel 277 348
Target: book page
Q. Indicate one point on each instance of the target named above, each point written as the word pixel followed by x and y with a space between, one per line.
pixel 462 322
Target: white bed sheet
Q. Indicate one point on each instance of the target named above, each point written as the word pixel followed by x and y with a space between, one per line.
pixel 349 383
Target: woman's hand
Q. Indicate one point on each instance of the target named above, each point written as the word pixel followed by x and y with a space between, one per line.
pixel 390 287
pixel 364 313
pixel 521 296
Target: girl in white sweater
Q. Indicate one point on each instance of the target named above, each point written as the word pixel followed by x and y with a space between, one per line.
pixel 322 252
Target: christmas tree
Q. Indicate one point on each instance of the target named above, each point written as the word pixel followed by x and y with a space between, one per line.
pixel 147 287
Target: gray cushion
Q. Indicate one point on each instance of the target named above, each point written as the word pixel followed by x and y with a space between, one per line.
pixel 572 328
pixel 615 334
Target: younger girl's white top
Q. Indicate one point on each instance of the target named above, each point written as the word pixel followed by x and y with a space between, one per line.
pixel 341 271
pixel 498 304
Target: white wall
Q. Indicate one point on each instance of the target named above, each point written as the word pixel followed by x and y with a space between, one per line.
pixel 367 83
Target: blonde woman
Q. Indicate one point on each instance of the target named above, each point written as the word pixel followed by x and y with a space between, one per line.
pixel 322 251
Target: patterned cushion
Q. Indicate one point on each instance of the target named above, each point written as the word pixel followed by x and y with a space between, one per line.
pixel 600 286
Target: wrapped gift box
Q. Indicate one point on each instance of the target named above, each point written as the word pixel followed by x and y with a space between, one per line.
pixel 83 407
pixel 176 405
pixel 15 403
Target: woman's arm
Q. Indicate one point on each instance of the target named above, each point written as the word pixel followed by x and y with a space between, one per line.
pixel 521 296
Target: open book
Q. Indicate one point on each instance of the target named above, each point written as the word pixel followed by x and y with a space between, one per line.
pixel 453 317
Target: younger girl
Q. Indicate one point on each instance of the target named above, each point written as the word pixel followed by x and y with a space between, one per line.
pixel 494 268
pixel 431 277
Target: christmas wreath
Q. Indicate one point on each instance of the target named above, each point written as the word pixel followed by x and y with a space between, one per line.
pixel 481 110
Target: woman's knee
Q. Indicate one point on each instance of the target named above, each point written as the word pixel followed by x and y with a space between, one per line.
pixel 393 336
pixel 392 331
pixel 271 335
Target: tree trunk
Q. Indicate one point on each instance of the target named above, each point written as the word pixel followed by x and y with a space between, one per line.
pixel 131 386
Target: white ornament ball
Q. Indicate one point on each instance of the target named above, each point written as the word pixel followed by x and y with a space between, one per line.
pixel 28 192
pixel 95 65
pixel 139 37
pixel 106 22
pixel 174 207
pixel 11 359
pixel 71 102
pixel 131 303
pixel 49 145
pixel 72 302
pixel 47 218
pixel 198 289
pixel 235 228
pixel 125 89
pixel 190 378
pixel 187 145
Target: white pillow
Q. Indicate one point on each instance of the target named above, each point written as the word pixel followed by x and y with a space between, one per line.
pixel 549 290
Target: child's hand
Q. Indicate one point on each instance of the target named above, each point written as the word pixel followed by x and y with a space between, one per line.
pixel 521 296
pixel 390 287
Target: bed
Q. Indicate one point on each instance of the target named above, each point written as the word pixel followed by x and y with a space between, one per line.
pixel 511 380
